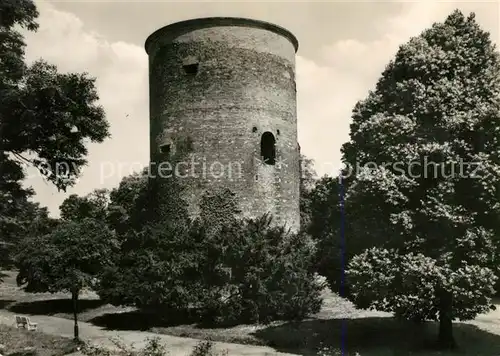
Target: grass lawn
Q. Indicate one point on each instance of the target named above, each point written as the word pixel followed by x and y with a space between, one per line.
pixel 23 343
pixel 369 333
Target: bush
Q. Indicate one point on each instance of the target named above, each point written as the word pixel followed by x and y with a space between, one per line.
pixel 152 348
pixel 206 348
pixel 156 269
pixel 272 275
pixel 224 269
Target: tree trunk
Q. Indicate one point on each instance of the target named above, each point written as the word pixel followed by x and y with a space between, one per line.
pixel 74 297
pixel 446 339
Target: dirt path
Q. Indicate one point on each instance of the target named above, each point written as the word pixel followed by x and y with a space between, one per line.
pixel 177 346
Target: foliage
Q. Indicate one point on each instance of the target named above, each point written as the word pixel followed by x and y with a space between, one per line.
pixel 324 228
pixel 46 119
pixel 339 236
pixel 307 182
pixel 173 265
pixel 91 206
pixel 68 259
pixel 219 208
pixel 157 249
pixel 46 116
pixel 324 208
pixel 272 275
pixel 153 347
pixel 20 218
pixel 433 224
pixel 157 268
pixel 380 275
pixel 169 261
pixel 206 348
pixel 162 266
pixel 124 201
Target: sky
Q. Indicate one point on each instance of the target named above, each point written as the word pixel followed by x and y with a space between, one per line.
pixel 343 48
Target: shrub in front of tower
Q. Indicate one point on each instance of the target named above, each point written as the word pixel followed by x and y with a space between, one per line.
pixel 170 262
pixel 156 270
pixel 158 250
pixel 270 275
pixel 219 268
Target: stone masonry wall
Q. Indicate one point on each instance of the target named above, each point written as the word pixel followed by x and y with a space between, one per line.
pixel 245 86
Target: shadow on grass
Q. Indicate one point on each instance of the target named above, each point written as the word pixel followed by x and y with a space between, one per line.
pixel 4 303
pixel 375 337
pixel 143 320
pixel 54 306
pixel 23 353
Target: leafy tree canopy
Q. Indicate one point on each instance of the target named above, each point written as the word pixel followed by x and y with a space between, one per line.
pixel 18 219
pixel 127 202
pixel 93 205
pixel 46 117
pixel 426 196
pixel 46 120
pixel 68 259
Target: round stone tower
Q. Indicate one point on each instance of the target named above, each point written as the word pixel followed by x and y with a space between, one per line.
pixel 227 86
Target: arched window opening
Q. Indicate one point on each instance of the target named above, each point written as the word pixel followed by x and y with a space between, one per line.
pixel 268 148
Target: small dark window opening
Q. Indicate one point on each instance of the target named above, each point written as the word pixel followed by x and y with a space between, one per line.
pixel 268 148
pixel 254 129
pixel 277 132
pixel 191 69
pixel 165 149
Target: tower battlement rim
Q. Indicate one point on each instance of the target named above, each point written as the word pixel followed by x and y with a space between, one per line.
pixel 207 22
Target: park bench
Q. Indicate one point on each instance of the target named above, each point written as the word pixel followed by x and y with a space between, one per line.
pixel 25 322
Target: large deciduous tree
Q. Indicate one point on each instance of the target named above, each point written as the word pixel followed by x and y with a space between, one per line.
pixel 427 194
pixel 68 259
pixel 46 117
pixel 46 120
